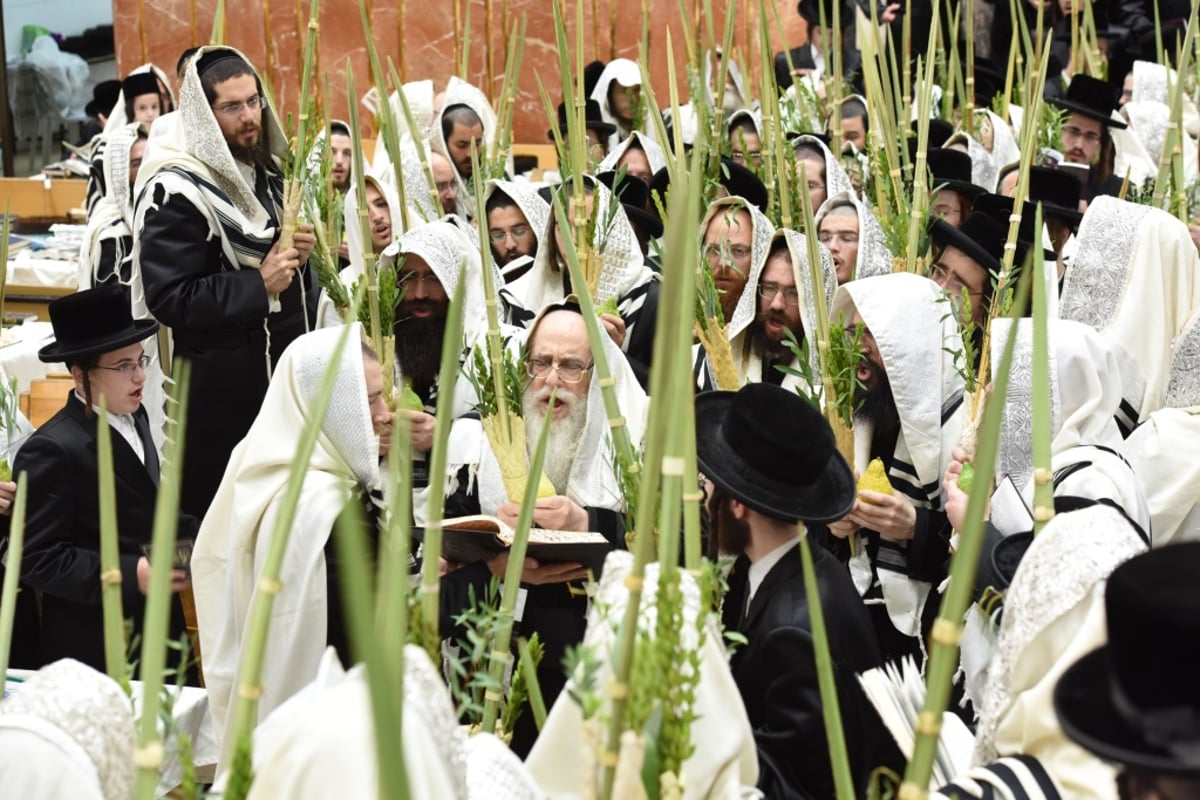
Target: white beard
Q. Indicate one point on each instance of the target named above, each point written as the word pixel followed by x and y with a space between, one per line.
pixel 565 434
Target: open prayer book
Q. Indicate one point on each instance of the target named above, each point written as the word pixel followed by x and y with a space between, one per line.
pixel 898 691
pixel 479 537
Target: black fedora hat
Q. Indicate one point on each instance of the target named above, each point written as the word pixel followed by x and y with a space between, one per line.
pixel 1136 701
pixel 104 98
pixel 1000 208
pixel 93 322
pixel 1092 98
pixel 741 182
pixel 772 450
pixel 139 83
pixel 592 120
pixel 1059 193
pixel 634 194
pixel 981 238
pixel 738 181
pixel 940 132
pixel 812 10
pixel 951 169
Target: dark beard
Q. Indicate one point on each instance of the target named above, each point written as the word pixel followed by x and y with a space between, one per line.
pixel 258 155
pixel 878 406
pixel 727 534
pixel 419 349
pixel 771 350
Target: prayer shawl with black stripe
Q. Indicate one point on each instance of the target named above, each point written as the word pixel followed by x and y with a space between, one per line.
pixel 916 333
pixel 188 155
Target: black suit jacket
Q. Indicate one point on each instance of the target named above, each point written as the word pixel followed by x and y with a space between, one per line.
pixel 776 674
pixel 62 532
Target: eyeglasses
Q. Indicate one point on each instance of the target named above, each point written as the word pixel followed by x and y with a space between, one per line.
pixel 517 233
pixel 739 252
pixel 845 237
pixel 128 368
pixel 570 371
pixel 1071 132
pixel 941 275
pixel 768 291
pixel 412 277
pixel 254 102
pixel 743 156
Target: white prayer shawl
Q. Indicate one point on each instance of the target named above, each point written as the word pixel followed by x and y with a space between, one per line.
pixel 724 763
pixel 451 250
pixel 1003 150
pixel 420 97
pixel 983 166
pixel 536 210
pixel 918 341
pixel 1085 392
pixel 354 235
pixel 836 179
pixel 1136 279
pixel 624 268
pixel 592 481
pixel 236 533
pixel 1053 615
pixel 874 257
pixel 628 74
pixel 321 743
pixel 461 93
pixel 189 142
pixel 732 97
pixel 1130 155
pixel 748 364
pixel 68 732
pixel 112 216
pixel 654 153
pixel 743 115
pixel 1148 112
pixel 418 194
pixel 1162 449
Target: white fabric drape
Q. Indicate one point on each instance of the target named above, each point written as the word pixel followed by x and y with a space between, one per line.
pixel 236 533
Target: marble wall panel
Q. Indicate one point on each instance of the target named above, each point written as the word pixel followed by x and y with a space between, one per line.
pixel 425 38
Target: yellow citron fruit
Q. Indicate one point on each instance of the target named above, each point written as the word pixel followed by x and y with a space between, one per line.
pixel 875 479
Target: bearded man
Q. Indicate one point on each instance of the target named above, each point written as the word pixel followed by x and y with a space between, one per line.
pixel 772 466
pixel 206 227
pixel 909 416
pixel 775 308
pixel 589 497
pixel 429 263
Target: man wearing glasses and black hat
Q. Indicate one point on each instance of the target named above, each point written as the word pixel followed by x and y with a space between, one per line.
pixel 97 338
pixel 771 464
pixel 1085 138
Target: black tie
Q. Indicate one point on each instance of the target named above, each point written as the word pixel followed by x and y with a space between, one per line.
pixel 151 452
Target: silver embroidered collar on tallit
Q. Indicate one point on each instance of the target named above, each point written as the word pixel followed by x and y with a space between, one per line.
pixel 874 257
pixel 760 245
pixel 204 141
pixel 654 153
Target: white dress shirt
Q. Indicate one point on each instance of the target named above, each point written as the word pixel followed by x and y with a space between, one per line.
pixel 760 568
pixel 124 425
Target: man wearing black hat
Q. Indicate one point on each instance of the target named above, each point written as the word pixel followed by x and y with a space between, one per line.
pixel 598 130
pixel 104 97
pixel 1134 701
pixel 950 187
pixel 101 343
pixel 206 233
pixel 966 261
pixel 1085 138
pixel 771 465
